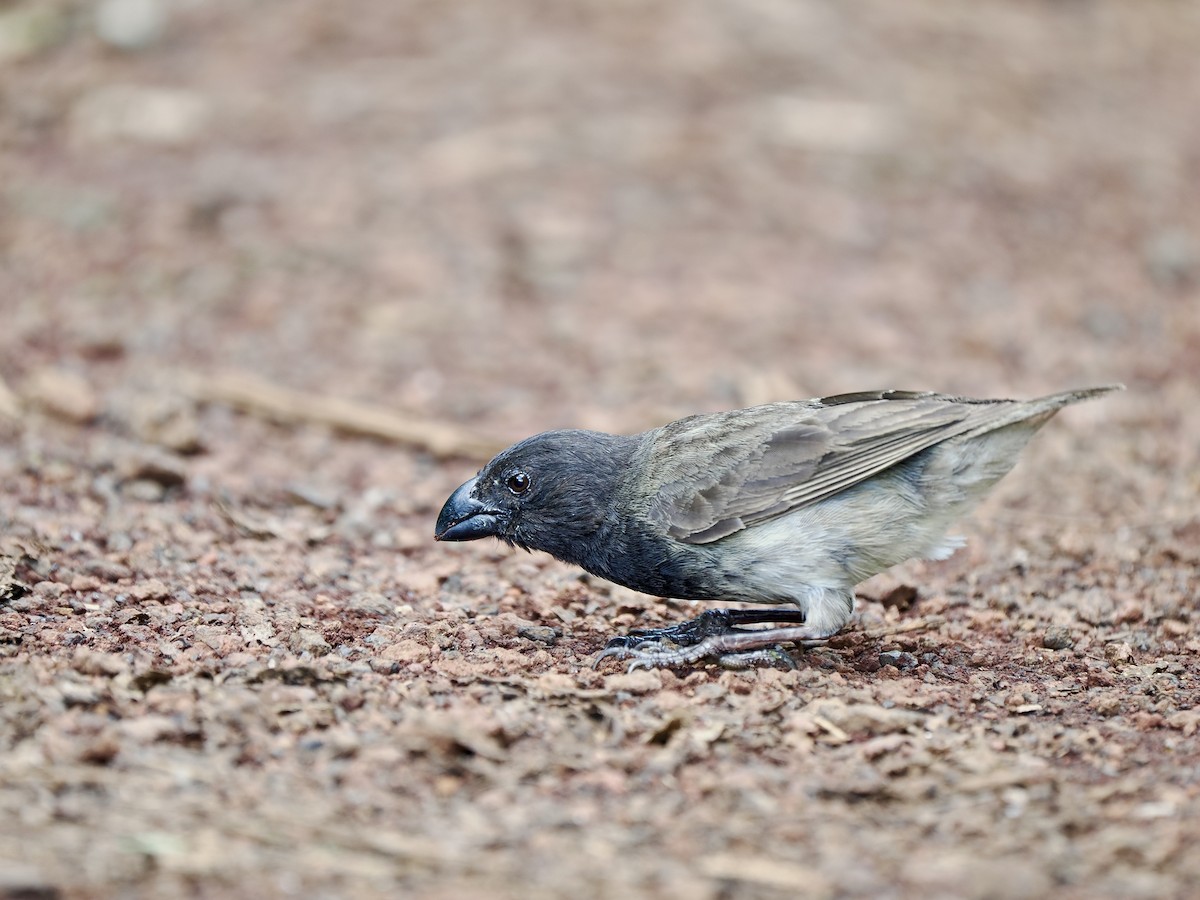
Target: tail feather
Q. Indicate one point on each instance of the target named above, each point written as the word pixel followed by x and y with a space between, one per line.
pixel 1034 413
pixel 1066 398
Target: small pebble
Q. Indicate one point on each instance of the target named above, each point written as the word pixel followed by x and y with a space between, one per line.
pixel 1057 637
pixel 383 666
pixel 900 598
pixel 543 634
pixel 1172 256
pixel 898 658
pixel 63 393
pixel 20 880
pixel 131 24
pixel 147 464
pixel 1118 653
pixel 145 490
pixel 306 640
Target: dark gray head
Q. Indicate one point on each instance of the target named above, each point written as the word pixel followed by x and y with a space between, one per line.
pixel 550 492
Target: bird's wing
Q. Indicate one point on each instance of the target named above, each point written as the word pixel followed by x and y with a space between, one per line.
pixel 717 474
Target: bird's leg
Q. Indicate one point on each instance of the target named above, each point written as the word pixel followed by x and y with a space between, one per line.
pixel 710 625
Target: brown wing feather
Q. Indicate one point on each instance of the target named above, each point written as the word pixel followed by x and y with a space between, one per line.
pixel 730 470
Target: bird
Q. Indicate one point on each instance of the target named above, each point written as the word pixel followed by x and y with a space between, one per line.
pixel 789 505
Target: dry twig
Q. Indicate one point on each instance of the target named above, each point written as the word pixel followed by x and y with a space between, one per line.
pixel 10 407
pixel 929 622
pixel 256 397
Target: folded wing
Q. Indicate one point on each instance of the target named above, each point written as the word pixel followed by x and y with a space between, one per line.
pixel 720 473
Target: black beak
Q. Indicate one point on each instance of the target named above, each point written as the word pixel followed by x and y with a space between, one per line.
pixel 464 518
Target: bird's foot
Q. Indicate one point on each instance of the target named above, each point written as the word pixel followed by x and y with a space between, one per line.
pixel 709 623
pixel 715 635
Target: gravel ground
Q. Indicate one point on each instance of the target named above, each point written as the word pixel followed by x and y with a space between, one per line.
pixel 233 663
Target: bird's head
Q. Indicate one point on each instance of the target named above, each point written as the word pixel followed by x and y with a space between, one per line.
pixel 548 492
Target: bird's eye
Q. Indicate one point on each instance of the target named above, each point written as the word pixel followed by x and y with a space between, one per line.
pixel 518 482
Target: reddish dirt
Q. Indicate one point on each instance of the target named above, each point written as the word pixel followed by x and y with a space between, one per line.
pixel 233 663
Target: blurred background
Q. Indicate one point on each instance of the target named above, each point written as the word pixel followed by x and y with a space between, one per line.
pixel 525 214
pixel 234 663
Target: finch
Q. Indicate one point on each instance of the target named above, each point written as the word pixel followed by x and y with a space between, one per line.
pixel 788 504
